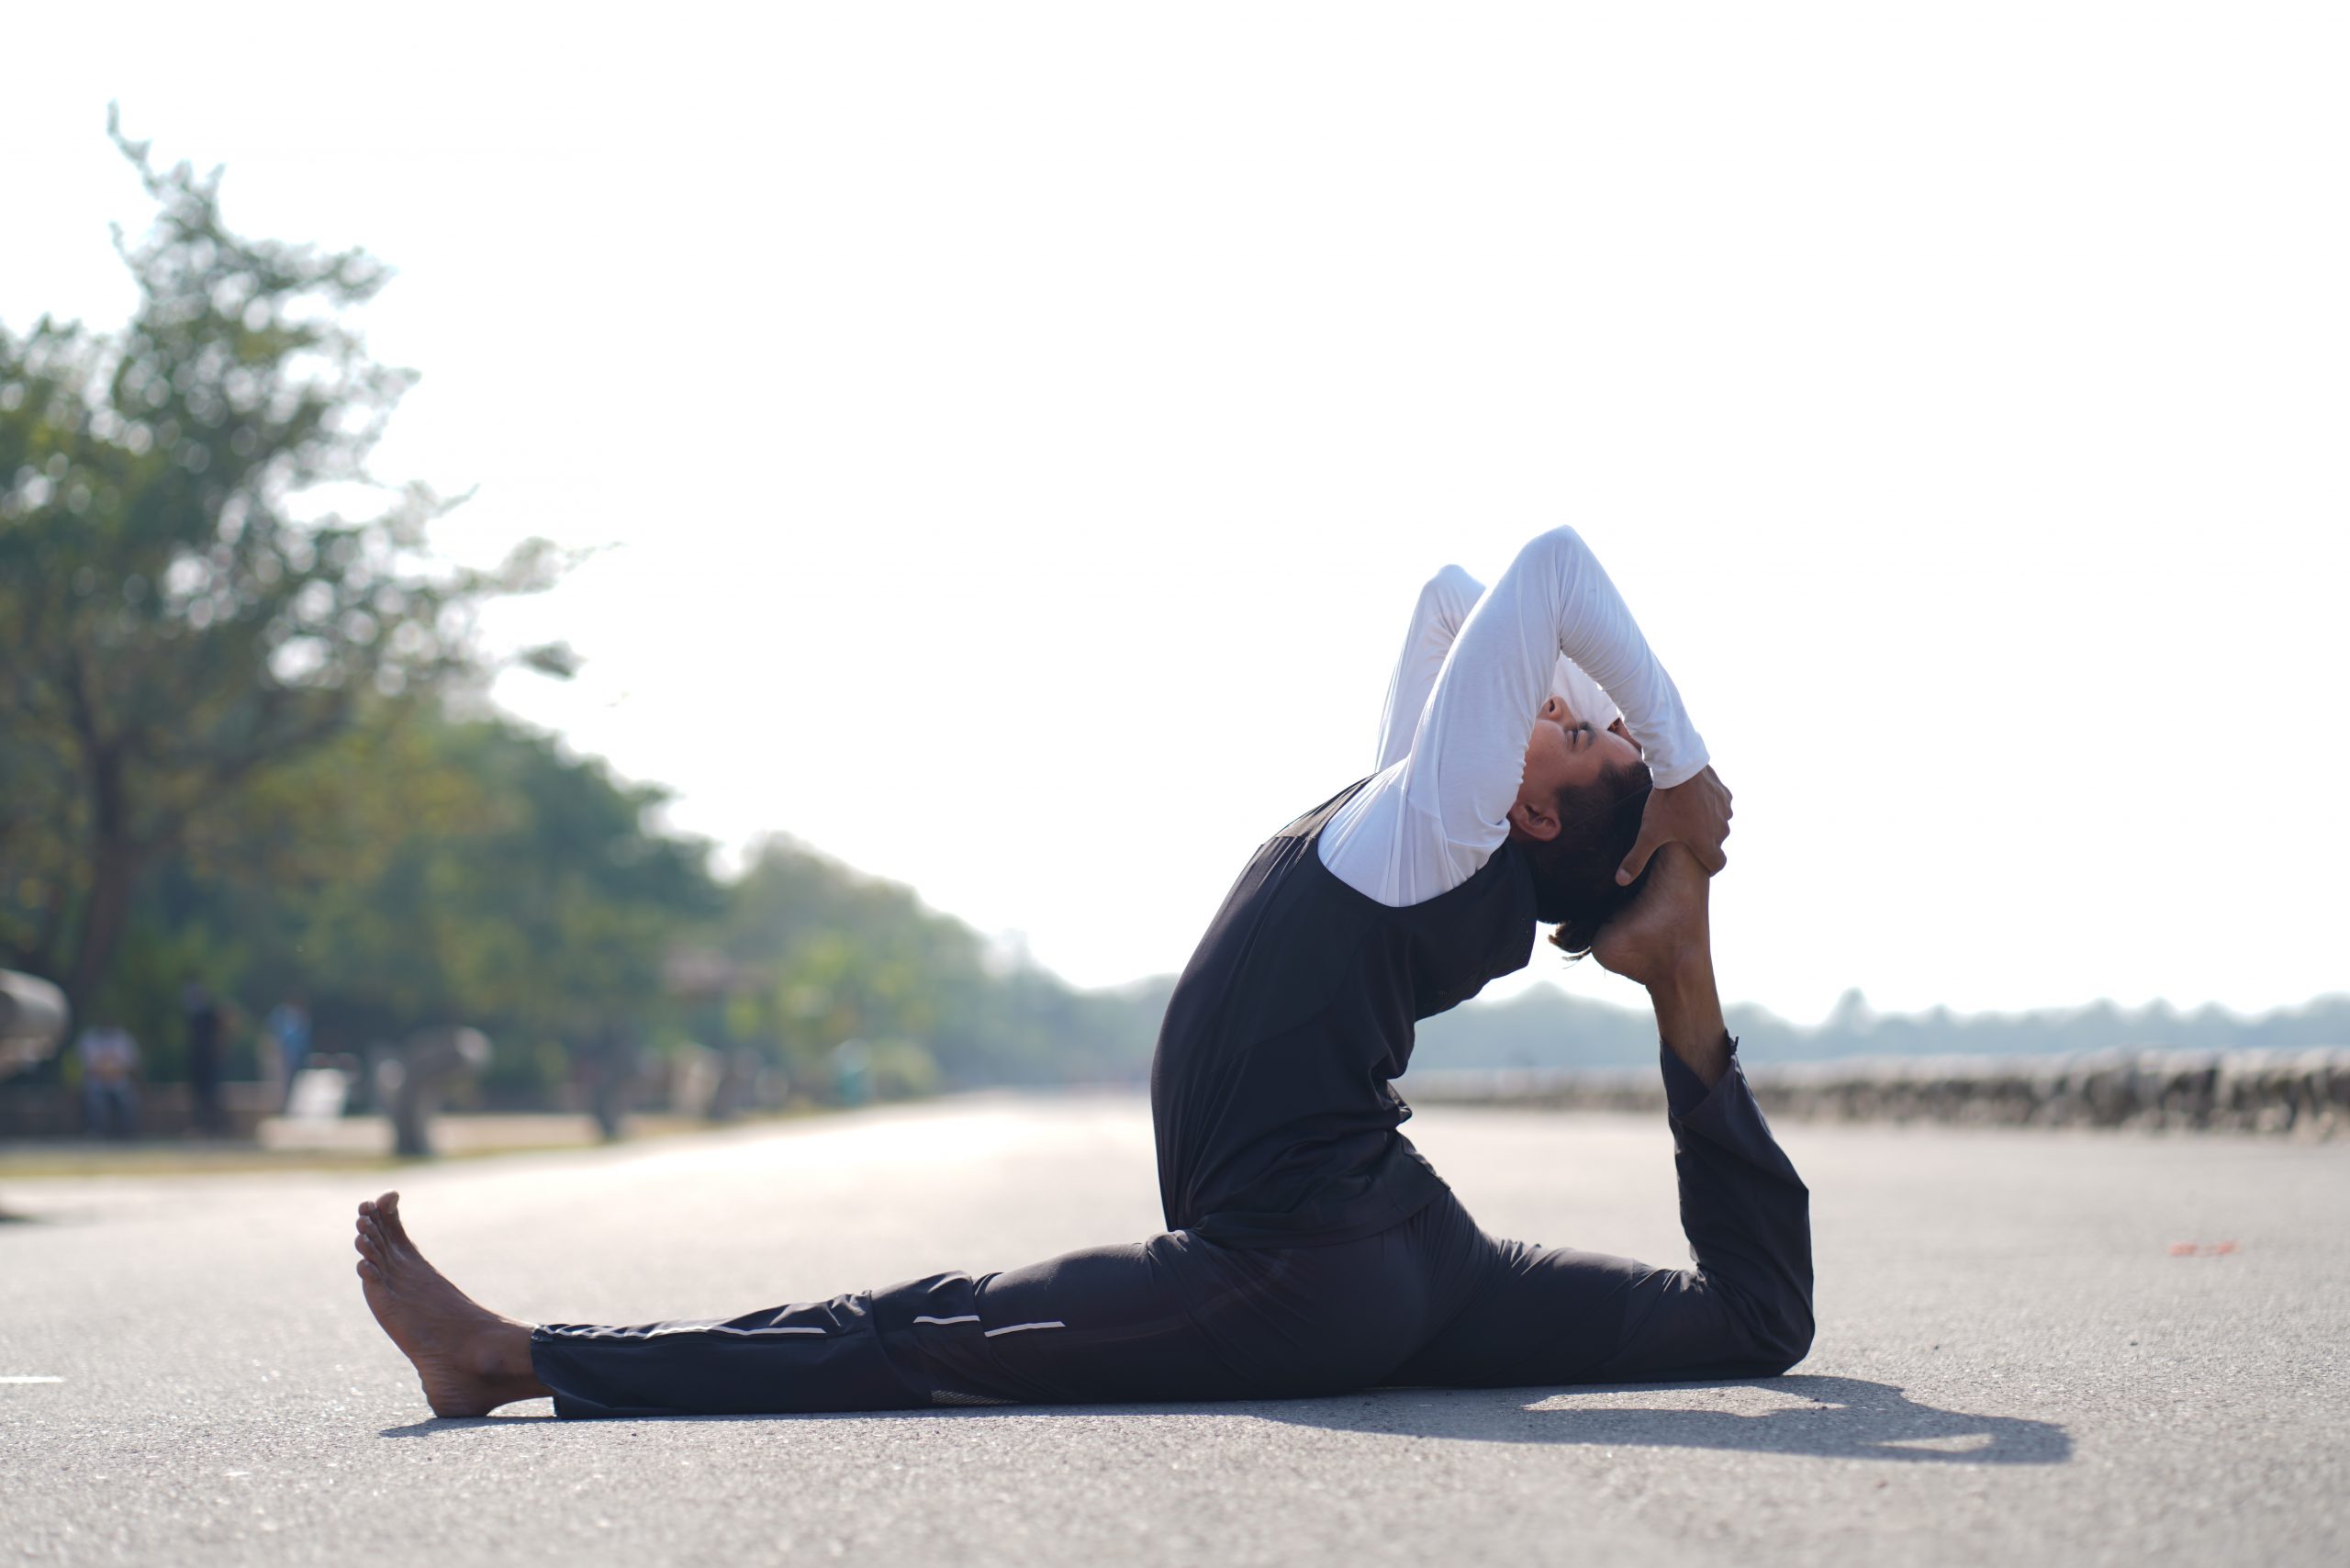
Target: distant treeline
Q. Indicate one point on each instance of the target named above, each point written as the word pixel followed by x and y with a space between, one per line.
pixel 424 869
pixel 1545 1027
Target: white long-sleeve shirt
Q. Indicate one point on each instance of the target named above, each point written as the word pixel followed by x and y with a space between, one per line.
pixel 1445 602
pixel 1475 672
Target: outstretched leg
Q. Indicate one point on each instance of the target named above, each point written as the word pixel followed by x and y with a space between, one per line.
pixel 1172 1318
pixel 1551 1316
pixel 469 1359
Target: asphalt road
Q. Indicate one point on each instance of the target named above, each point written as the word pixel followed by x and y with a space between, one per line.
pixel 2013 1365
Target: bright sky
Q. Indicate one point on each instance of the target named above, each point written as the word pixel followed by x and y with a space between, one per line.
pixel 1020 431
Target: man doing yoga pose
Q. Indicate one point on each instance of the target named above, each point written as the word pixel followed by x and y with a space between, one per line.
pixel 1309 1248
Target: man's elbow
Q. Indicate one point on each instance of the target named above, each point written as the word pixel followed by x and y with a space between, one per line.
pixel 1452 587
pixel 1553 545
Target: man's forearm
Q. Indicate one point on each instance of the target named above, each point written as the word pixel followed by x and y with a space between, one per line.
pixel 1689 1015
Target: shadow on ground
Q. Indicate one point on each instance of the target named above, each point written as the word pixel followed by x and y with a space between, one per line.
pixel 1827 1417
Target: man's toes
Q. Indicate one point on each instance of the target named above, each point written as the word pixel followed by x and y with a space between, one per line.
pixel 369 1272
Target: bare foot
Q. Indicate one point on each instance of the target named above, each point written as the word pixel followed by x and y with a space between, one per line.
pixel 1662 925
pixel 469 1359
pixel 1664 942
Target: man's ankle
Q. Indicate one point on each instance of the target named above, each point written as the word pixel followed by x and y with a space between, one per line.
pixel 1688 983
pixel 1689 1015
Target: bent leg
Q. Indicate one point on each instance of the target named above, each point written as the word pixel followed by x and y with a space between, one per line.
pixel 1745 1310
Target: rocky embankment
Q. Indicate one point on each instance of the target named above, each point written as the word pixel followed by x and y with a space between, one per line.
pixel 2300 1093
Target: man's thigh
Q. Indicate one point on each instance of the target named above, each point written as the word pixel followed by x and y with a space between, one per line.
pixel 1104 1324
pixel 1543 1315
pixel 1180 1318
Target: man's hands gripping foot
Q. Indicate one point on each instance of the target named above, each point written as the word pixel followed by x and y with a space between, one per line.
pixel 1664 941
pixel 469 1359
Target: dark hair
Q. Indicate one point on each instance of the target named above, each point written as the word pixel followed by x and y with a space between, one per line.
pixel 1574 873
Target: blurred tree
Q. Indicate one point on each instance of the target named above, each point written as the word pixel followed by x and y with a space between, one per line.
pixel 200 583
pixel 822 954
pixel 441 872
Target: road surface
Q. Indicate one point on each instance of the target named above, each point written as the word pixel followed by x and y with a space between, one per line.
pixel 2013 1364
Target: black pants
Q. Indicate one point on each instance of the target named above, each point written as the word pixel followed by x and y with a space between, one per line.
pixel 1432 1302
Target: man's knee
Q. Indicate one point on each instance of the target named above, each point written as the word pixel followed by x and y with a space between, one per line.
pixel 1760 1329
pixel 1784 1337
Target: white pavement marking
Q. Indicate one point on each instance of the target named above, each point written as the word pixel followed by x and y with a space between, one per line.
pixel 31 1380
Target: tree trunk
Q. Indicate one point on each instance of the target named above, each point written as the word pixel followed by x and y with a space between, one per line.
pixel 115 861
pixel 113 877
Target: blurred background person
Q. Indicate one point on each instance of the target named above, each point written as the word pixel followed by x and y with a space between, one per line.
pixel 431 1062
pixel 109 1079
pixel 611 1069
pixel 285 1047
pixel 201 1016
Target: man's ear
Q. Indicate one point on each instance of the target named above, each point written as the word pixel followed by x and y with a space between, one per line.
pixel 1539 822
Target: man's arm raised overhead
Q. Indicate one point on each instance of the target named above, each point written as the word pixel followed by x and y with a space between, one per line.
pixel 1555 599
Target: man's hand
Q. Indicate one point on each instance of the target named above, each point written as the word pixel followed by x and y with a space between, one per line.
pixel 1696 813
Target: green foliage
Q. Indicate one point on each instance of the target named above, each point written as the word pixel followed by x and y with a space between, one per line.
pixel 200 583
pixel 419 871
pixel 813 953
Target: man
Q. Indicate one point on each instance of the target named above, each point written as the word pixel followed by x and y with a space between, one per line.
pixel 1309 1248
pixel 285 1042
pixel 202 1015
pixel 109 1079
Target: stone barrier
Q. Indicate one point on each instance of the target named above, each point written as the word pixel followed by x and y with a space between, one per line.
pixel 2301 1093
